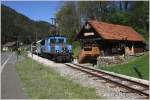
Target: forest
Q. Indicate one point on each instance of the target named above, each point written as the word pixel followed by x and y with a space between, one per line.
pixel 71 16
pixel 16 26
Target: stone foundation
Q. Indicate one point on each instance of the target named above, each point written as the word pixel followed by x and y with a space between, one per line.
pixel 107 60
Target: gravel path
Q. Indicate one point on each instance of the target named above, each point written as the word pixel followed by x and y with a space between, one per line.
pixel 103 88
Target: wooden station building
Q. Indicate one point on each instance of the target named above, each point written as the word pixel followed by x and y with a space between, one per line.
pixel 105 39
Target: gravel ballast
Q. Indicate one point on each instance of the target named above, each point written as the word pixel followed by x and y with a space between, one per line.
pixel 103 88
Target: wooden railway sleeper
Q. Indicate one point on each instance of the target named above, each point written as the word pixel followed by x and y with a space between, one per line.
pixel 121 85
pixel 124 79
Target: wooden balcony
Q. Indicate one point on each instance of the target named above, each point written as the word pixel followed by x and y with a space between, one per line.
pixel 88 52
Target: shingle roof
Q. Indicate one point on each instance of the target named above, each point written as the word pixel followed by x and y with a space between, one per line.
pixel 115 32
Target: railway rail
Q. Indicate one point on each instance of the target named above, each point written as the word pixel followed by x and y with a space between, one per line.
pixel 134 86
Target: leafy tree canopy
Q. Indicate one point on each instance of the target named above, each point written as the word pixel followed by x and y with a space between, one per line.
pixel 73 14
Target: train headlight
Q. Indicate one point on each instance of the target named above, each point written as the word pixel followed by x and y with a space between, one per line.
pixel 70 51
pixel 57 51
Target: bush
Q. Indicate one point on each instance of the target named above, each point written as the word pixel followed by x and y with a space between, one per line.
pixel 76 48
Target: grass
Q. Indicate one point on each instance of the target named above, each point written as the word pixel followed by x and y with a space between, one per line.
pixel 76 49
pixel 142 64
pixel 41 82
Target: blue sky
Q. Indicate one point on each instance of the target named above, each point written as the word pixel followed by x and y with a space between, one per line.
pixel 36 10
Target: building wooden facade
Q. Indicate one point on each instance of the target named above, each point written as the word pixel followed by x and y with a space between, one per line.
pixel 104 39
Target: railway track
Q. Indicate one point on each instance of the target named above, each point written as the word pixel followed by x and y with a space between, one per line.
pixel 134 86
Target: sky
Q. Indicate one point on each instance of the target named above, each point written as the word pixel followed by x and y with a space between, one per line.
pixel 35 10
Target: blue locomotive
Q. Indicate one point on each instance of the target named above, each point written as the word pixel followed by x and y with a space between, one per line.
pixel 55 47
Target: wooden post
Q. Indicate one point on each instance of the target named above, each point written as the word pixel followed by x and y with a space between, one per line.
pixel 132 48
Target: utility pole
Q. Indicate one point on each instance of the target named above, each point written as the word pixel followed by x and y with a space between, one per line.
pixel 34 47
pixel 35 35
pixel 54 23
pixel 17 46
pixel 17 43
pixel 36 44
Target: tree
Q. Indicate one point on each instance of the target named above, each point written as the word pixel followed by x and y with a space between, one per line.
pixel 126 3
pixel 15 25
pixel 132 13
pixel 139 13
pixel 68 20
pixel 93 10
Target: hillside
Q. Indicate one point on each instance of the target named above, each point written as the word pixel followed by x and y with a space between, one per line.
pixel 16 25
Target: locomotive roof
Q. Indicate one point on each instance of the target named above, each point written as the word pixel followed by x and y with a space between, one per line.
pixel 53 35
pixel 56 35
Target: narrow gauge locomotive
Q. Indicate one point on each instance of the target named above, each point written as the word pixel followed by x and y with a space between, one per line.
pixel 55 47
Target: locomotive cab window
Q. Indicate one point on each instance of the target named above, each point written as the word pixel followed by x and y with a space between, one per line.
pixel 52 41
pixel 60 41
